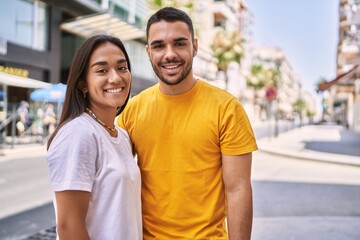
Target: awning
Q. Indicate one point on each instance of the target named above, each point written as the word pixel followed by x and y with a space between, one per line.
pixel 345 76
pixel 89 25
pixel 17 81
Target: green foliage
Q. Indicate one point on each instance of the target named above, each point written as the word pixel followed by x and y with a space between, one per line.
pixel 261 77
pixel 310 113
pixel 300 106
pixel 158 3
pixel 185 5
pixel 319 82
pixel 227 47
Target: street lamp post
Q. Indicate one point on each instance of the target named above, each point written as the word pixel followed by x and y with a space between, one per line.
pixel 278 65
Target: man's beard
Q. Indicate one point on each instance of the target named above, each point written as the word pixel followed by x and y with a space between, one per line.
pixel 182 76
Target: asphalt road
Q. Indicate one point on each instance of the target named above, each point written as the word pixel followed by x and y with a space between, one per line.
pixel 304 200
pixel 293 199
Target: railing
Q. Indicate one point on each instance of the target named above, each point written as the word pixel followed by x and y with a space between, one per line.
pixel 11 119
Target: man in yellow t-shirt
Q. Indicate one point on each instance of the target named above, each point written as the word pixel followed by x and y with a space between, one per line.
pixel 194 143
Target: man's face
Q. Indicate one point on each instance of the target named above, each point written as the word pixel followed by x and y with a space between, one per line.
pixel 171 50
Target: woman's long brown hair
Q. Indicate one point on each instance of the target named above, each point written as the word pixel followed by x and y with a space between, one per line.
pixel 74 103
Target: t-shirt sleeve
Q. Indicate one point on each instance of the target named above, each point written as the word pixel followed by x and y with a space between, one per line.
pixel 127 115
pixel 236 134
pixel 121 120
pixel 72 159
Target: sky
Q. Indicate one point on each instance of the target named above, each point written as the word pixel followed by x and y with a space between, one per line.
pixel 306 31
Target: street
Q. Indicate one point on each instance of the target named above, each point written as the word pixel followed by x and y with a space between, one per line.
pixel 293 198
pixel 25 192
pixel 299 199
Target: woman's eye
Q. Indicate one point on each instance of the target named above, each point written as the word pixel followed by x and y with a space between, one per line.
pixel 100 70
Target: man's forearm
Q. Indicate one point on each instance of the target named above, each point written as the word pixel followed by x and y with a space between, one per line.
pixel 240 214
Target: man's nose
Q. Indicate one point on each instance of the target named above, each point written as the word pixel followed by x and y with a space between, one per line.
pixel 170 53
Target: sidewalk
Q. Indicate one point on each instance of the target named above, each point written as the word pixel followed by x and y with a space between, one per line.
pixel 326 143
pixel 22 150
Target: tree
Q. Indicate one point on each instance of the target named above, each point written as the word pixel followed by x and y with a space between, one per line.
pixel 324 104
pixel 299 107
pixel 185 5
pixel 310 114
pixel 227 48
pixel 261 77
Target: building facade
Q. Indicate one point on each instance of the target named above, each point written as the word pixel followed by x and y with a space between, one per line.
pixel 343 93
pixel 39 38
pixel 287 83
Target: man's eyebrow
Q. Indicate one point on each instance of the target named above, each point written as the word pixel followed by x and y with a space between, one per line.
pixel 175 40
pixel 181 39
pixel 156 42
pixel 123 60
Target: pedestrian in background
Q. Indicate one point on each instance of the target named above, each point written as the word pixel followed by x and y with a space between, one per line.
pixel 23 117
pixel 49 119
pixel 91 166
pixel 194 143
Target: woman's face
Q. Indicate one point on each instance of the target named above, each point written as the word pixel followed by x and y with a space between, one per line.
pixel 108 78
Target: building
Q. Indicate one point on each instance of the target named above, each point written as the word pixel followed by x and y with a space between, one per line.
pixel 209 17
pixel 288 84
pixel 344 91
pixel 39 38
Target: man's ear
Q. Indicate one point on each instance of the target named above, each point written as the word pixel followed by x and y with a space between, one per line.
pixel 147 48
pixel 195 46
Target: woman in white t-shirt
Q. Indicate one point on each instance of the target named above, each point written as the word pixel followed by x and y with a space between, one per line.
pixel 91 166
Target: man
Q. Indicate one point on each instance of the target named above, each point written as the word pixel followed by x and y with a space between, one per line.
pixel 193 143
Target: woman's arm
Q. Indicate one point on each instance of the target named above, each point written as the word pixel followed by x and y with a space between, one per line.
pixel 72 207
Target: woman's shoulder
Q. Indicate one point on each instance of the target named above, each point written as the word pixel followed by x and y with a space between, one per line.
pixel 78 129
pixel 79 125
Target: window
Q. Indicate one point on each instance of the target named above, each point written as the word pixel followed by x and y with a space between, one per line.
pixel 25 23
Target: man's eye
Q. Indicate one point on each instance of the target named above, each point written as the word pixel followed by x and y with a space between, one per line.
pixel 157 46
pixel 123 68
pixel 179 44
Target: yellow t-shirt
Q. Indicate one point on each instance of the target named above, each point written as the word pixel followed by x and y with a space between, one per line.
pixel 179 140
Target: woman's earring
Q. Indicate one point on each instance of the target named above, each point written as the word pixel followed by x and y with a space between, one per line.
pixel 84 94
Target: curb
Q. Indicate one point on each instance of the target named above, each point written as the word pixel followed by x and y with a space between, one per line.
pixel 316 156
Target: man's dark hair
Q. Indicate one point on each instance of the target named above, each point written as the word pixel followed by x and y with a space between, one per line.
pixel 170 14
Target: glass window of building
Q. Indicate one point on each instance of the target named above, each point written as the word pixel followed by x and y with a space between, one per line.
pixel 25 23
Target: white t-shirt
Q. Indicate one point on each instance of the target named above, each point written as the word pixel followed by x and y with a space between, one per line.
pixel 83 156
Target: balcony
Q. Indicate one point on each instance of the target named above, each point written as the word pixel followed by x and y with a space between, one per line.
pixel 222 12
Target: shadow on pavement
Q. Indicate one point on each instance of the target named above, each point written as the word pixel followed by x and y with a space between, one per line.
pixel 349 144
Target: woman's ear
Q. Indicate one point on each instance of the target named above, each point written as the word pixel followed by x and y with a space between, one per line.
pixel 82 87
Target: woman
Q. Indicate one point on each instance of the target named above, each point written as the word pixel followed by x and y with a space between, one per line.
pixel 92 170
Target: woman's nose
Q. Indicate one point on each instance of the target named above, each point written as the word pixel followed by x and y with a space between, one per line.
pixel 114 76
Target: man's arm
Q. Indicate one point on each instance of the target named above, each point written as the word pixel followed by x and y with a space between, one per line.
pixel 237 180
